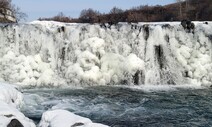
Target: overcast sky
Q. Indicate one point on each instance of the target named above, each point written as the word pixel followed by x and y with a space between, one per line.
pixel 48 8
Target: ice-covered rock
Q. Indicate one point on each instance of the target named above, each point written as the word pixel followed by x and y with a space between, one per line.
pixel 8 113
pixel 63 118
pixel 10 100
pixel 10 95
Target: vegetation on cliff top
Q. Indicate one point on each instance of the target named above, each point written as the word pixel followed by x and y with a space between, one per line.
pixel 189 9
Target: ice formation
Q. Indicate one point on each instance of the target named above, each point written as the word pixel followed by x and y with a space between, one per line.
pixel 10 102
pixel 63 118
pixel 53 54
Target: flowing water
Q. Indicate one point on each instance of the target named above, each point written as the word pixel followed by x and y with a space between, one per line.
pixel 126 106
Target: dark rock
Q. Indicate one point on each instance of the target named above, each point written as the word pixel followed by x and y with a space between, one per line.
pixel 159 55
pixel 188 23
pixel 146 31
pixel 63 53
pixel 206 23
pixel 192 26
pixel 167 38
pixel 132 26
pixel 77 124
pixel 140 28
pixel 138 75
pixel 210 37
pixel 83 29
pixel 58 30
pixel 186 74
pixel 63 29
pixel 124 82
pixel 8 116
pixel 6 26
pixel 166 26
pixel 184 23
pixel 171 82
pixel 103 25
pixel 136 27
pixel 14 123
pixel 110 23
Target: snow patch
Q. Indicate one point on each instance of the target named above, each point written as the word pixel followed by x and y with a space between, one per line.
pixel 63 118
pixel 10 101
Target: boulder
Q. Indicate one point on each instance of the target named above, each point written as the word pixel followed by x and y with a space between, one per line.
pixel 15 123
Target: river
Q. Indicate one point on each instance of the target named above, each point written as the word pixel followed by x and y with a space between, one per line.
pixel 124 106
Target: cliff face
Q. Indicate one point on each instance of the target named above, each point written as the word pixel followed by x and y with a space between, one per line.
pixel 6 16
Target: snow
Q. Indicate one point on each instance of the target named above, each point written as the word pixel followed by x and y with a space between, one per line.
pixel 10 95
pixel 10 101
pixel 37 54
pixel 63 118
pixel 8 112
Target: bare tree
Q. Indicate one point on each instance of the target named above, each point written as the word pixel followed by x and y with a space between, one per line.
pixel 180 5
pixel 116 10
pixel 59 16
pixel 89 16
pixel 18 14
pixel 5 4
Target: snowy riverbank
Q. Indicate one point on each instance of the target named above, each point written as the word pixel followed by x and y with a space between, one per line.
pixel 11 101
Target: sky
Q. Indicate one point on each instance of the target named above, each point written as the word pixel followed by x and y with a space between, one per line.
pixel 49 8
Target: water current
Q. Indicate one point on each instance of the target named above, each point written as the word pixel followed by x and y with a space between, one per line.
pixel 126 106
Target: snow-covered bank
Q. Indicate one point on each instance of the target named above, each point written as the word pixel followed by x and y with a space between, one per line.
pixel 10 95
pixel 63 118
pixel 9 113
pixel 10 101
pixel 55 54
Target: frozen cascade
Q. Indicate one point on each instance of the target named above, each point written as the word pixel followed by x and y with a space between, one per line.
pixel 54 54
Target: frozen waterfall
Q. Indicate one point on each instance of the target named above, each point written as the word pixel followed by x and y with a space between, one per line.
pixel 54 54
